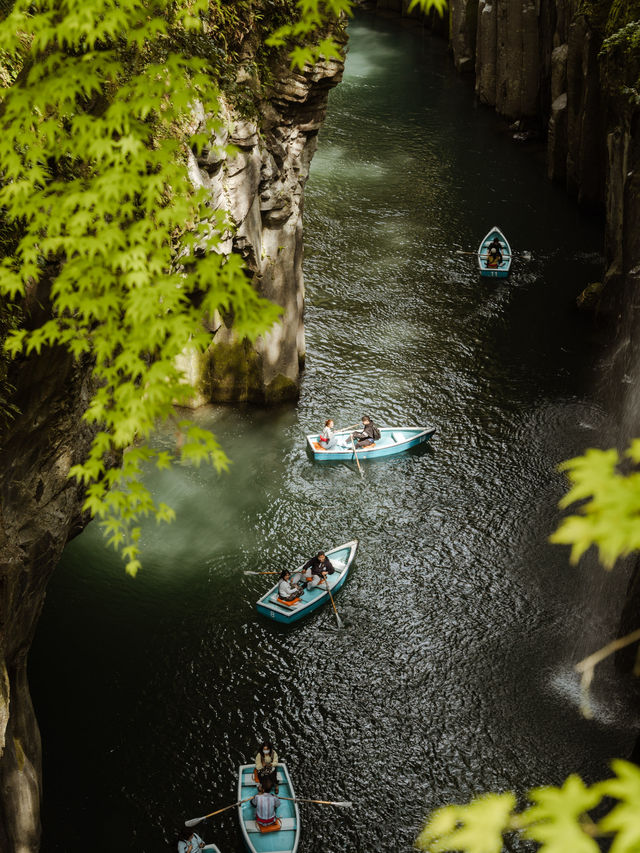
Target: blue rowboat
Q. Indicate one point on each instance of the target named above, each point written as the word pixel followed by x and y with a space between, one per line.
pixel 283 840
pixel 502 270
pixel 341 559
pixel 392 440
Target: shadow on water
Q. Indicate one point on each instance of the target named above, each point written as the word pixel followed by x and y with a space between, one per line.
pixel 453 673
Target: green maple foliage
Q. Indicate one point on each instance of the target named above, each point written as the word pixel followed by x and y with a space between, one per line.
pixel 476 827
pixel 557 819
pixel 623 821
pixel 608 515
pixel 311 32
pixel 96 210
pixel 93 179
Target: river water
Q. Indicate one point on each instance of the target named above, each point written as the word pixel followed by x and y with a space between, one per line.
pixel 452 675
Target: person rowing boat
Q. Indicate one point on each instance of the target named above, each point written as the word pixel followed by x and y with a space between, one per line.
pixel 266 804
pixel 314 571
pixel 190 842
pixel 367 435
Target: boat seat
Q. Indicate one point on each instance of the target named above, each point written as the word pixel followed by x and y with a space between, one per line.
pixel 318 446
pixel 277 600
pixel 252 780
pixel 273 827
pixel 286 823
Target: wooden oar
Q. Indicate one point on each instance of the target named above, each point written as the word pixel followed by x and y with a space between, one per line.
pixel 249 572
pixel 333 604
pixel 196 820
pixel 346 429
pixel 345 805
pixel 355 453
pixel 526 256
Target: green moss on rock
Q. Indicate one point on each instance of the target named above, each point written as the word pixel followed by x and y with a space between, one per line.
pixel 617 22
pixel 622 12
pixel 232 373
pixel 281 389
pixel 589 299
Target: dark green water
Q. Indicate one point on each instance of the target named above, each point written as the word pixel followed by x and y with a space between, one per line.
pixel 453 674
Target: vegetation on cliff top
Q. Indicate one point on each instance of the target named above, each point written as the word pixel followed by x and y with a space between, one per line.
pixel 99 219
pixel 617 22
pixel 93 180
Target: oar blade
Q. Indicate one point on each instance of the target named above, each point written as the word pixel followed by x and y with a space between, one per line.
pixel 194 821
pixel 339 621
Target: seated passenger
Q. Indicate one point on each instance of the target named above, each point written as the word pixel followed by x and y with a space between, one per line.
pixel 287 590
pixel 266 804
pixel 368 434
pixel 328 439
pixel 267 765
pixel 190 842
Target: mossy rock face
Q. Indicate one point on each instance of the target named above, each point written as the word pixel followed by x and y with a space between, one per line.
pixel 589 299
pixel 617 22
pixel 622 12
pixel 232 373
pixel 281 389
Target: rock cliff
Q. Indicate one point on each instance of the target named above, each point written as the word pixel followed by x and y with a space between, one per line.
pixel 262 189
pixel 40 510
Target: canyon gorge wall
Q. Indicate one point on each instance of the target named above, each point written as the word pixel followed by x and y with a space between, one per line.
pixel 46 395
pixel 568 71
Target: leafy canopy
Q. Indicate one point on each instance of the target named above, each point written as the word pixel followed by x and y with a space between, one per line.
pixel 93 178
pixel 311 34
pixel 557 819
pixel 96 104
pixel 608 515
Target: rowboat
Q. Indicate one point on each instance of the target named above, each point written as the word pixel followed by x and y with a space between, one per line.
pixel 341 559
pixel 392 440
pixel 283 840
pixel 502 269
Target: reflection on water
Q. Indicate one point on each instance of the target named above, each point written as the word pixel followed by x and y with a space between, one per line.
pixel 453 673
